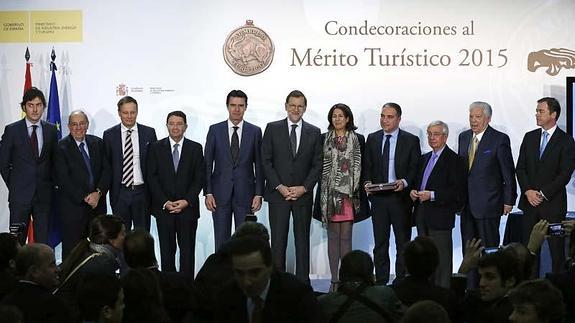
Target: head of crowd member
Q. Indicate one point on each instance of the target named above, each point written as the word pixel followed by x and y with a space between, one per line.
pixel 139 249
pixel 101 299
pixel 498 273
pixel 437 133
pixel 340 118
pixel 426 311
pixel 78 125
pixel 524 259
pixel 177 124
pixel 251 260
pixel 421 257
pixel 357 266
pixel 10 314
pixel 9 247
pixel 108 229
pixel 479 116
pixel 33 104
pixel 295 105
pixel 128 111
pixel 536 301
pixel 143 297
pixel 252 229
pixel 390 117
pixel 547 112
pixel 36 263
pixel 237 103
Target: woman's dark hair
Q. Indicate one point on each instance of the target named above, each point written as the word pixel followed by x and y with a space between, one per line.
pixel 356 266
pixel 103 228
pixel 8 249
pixel 547 300
pixel 143 297
pixel 346 112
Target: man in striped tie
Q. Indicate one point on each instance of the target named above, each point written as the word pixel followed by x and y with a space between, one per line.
pixel 126 145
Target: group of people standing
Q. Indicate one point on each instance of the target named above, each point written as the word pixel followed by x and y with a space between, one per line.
pixel 385 177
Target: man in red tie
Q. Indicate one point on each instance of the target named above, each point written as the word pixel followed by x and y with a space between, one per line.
pixel 26 153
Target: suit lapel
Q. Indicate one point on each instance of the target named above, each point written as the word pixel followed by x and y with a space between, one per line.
pixel 45 135
pixel 553 141
pixel 246 133
pixel 23 129
pixel 184 154
pixel 167 148
pixel 398 150
pixel 119 147
pixel 225 138
pixel 93 152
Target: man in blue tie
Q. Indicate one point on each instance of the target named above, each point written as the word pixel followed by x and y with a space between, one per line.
pixel 439 195
pixel 83 178
pixel 544 167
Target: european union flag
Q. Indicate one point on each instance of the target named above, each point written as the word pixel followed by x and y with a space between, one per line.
pixel 53 116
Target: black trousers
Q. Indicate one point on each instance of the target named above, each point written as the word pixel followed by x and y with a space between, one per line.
pixel 75 220
pixel 180 228
pixel 132 208
pixel 444 243
pixel 389 210
pixel 40 211
pixel 279 215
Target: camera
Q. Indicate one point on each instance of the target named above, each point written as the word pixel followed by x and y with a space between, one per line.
pixel 555 229
pixel 489 250
pixel 251 218
pixel 17 229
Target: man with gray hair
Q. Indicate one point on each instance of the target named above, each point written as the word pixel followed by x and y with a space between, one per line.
pixel 438 196
pixel 491 187
pixel 83 176
pixel 36 267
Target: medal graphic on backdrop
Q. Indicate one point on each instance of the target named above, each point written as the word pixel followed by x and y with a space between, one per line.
pixel 248 50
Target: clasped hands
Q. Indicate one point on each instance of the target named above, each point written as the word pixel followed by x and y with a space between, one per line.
pixel 176 206
pixel 291 193
pixel 92 199
pixel 534 197
pixel 422 196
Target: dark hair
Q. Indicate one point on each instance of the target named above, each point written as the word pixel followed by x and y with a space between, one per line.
pixel 296 94
pixel 103 228
pixel 547 300
pixel 394 106
pixel 246 245
pixel 10 314
pixel 139 249
pixel 426 311
pixel 252 229
pixel 421 257
pixel 29 256
pixel 524 260
pixel 177 114
pixel 95 292
pixel 356 266
pixel 553 105
pixel 236 94
pixel 127 99
pixel 505 263
pixel 143 297
pixel 30 95
pixel 346 112
pixel 8 249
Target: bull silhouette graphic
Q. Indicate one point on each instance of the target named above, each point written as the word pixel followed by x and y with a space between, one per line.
pixel 554 59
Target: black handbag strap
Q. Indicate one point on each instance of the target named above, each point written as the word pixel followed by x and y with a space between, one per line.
pixel 354 295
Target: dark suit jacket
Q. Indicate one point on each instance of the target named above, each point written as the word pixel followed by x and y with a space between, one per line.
pixel 491 180
pixel 364 202
pixel 37 304
pixel 407 154
pixel 447 181
pixel 288 300
pixel 280 167
pixel 23 174
pixel 550 174
pixel 167 185
pixel 114 153
pixel 246 179
pixel 73 176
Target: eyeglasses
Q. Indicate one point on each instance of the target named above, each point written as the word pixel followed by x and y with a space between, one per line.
pixel 78 124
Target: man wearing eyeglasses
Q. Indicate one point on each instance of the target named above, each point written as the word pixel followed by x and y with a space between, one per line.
pixel 83 177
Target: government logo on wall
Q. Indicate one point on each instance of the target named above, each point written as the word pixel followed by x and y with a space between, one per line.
pixel 248 50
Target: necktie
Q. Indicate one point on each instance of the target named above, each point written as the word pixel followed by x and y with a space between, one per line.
pixel 128 161
pixel 88 166
pixel 34 141
pixel 474 144
pixel 428 170
pixel 176 157
pixel 543 143
pixel 235 146
pixel 258 310
pixel 293 140
pixel 385 159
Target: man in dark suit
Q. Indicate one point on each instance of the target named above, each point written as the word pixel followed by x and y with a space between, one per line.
pixel 438 196
pixel 83 179
pixel 36 265
pixel 261 294
pixel 176 171
pixel 291 153
pixel 26 156
pixel 126 146
pixel 391 156
pixel 491 187
pixel 234 175
pixel 544 167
